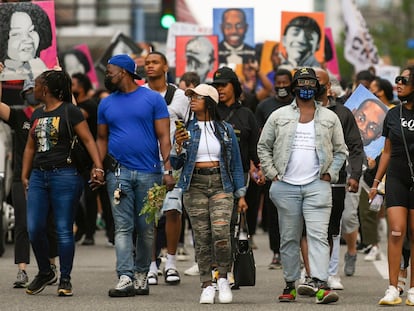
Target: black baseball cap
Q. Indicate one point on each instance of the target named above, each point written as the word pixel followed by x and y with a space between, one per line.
pixel 224 75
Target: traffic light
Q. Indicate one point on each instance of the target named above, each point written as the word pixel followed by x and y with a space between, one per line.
pixel 167 13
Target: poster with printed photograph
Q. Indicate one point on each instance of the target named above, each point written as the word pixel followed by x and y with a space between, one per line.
pixel 79 60
pixel 28 39
pixel 302 39
pixel 196 53
pixel 369 113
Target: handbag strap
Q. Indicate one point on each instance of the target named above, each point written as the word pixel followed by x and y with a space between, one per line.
pixel 242 225
pixel 410 163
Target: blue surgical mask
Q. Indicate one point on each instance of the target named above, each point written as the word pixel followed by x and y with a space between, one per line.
pixel 305 93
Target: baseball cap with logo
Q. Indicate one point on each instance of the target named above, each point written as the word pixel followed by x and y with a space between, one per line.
pixel 125 62
pixel 204 90
pixel 224 75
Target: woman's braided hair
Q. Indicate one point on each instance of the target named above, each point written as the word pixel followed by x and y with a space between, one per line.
pixel 59 84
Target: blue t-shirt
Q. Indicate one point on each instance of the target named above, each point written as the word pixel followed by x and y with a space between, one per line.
pixel 130 119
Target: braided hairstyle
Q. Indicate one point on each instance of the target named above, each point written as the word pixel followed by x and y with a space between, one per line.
pixel 59 84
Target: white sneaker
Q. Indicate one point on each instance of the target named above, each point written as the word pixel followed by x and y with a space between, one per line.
pixel 207 295
pixel 392 296
pixel 410 297
pixel 225 294
pixel 334 282
pixel 182 254
pixel 193 270
pixel 374 254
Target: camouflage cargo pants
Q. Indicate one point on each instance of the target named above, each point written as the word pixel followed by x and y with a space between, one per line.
pixel 210 210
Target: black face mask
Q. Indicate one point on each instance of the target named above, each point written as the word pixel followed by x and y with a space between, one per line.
pixel 76 94
pixel 110 86
pixel 30 99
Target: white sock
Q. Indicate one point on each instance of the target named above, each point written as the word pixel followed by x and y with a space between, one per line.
pixel 171 262
pixel 153 267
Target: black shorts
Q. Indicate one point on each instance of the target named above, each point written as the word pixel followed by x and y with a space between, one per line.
pixel 397 191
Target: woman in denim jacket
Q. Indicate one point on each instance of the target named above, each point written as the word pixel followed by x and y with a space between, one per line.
pixel 211 178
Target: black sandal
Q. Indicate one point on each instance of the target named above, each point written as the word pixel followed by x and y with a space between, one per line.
pixel 172 273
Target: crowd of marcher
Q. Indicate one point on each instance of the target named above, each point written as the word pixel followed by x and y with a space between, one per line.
pixel 291 156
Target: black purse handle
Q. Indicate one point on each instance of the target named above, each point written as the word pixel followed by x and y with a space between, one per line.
pixel 241 224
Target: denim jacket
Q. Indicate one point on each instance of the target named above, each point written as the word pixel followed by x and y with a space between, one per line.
pixel 233 182
pixel 275 143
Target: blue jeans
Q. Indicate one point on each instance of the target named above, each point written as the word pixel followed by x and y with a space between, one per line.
pixel 311 203
pixel 134 187
pixel 60 190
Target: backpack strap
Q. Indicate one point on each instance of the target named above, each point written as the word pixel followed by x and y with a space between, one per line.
pixel 170 93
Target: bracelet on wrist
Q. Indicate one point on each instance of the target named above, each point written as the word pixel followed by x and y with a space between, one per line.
pixel 377 180
pixel 376 189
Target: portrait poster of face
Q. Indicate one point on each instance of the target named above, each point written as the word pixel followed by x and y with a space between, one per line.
pixel 302 39
pixel 196 53
pixel 235 30
pixel 331 58
pixel 369 113
pixel 182 29
pixel 79 60
pixel 28 39
pixel 120 44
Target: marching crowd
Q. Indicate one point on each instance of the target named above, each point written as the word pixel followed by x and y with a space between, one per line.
pixel 295 157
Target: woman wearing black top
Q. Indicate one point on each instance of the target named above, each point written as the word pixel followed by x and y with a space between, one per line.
pixel 52 182
pixel 398 152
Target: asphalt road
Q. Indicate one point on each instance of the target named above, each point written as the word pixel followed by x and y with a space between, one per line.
pixel 94 273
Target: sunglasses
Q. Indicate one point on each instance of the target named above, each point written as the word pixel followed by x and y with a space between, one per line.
pixel 402 79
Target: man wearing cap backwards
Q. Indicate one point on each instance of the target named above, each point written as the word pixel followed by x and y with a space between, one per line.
pixel 131 123
pixel 19 121
pixel 156 68
pixel 302 149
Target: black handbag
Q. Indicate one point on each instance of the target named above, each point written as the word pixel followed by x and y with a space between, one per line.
pixel 78 154
pixel 244 266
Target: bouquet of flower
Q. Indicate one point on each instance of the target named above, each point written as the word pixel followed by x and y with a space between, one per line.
pixel 153 203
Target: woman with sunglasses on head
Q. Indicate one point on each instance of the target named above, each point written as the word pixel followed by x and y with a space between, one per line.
pixel 51 181
pixel 396 161
pixel 211 178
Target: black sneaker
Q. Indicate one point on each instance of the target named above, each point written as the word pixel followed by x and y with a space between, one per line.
pixel 141 283
pixel 65 288
pixel 40 282
pixel 124 288
pixel 309 287
pixel 288 295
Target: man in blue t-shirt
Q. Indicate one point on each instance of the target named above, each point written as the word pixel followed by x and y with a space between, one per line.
pixel 131 123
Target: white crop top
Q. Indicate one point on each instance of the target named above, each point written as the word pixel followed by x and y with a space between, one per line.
pixel 209 148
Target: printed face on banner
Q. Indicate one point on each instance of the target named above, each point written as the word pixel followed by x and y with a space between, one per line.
pixel 28 39
pixel 235 31
pixel 79 60
pixel 197 53
pixel 302 39
pixel 369 113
